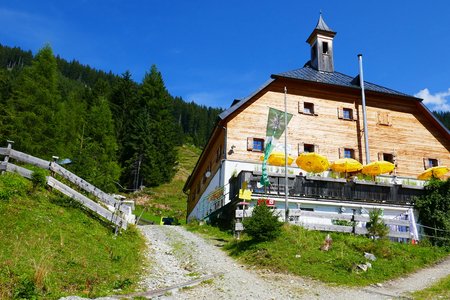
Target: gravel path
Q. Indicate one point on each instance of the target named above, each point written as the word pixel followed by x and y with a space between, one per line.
pixel 197 257
pixel 186 266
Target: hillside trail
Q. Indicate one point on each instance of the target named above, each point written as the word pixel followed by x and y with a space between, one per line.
pixel 180 257
pixel 184 265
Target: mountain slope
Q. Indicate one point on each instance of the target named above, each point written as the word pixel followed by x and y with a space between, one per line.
pixel 50 247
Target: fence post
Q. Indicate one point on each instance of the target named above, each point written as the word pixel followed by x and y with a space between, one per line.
pixel 8 151
pixel 353 221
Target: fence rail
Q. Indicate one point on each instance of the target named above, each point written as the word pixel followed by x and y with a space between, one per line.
pixel 115 212
pixel 397 228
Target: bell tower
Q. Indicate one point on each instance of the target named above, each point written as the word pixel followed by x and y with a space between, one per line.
pixel 321 42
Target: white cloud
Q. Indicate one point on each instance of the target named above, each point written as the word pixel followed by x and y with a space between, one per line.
pixel 439 101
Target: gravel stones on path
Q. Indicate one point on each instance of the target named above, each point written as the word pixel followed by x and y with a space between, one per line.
pixel 177 258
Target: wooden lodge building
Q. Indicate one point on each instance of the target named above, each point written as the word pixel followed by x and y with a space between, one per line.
pixel 327 118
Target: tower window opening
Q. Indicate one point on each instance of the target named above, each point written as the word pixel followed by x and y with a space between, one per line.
pixel 325 47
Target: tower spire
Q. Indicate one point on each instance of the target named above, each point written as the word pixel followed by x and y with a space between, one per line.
pixel 321 42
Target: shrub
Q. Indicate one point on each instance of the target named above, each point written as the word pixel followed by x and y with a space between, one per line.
pixel 263 225
pixel 434 211
pixel 38 178
pixel 376 227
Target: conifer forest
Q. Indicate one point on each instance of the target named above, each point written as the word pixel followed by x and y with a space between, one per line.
pixel 117 134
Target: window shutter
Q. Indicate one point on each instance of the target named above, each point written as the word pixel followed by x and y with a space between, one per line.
pixel 356 154
pixel 249 144
pixel 316 148
pixel 380 156
pixel 341 152
pixel 389 119
pixel 340 113
pixel 439 162
pixel 301 148
pixel 355 114
pixel 300 107
pixel 379 118
pixel 425 163
pixel 316 109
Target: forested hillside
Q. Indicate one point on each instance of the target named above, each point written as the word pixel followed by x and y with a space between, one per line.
pixel 116 132
pixel 444 117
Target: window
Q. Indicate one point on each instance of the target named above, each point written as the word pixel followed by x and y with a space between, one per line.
pixel 307 108
pixel 258 145
pixel 349 153
pixel 388 157
pixel 255 144
pixel 430 162
pixel 347 113
pixel 325 47
pixel 308 148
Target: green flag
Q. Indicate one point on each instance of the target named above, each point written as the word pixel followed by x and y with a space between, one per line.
pixel 265 178
pixel 275 122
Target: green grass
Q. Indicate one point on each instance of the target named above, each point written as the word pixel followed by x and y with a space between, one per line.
pixel 297 251
pixel 50 247
pixel 440 290
pixel 168 199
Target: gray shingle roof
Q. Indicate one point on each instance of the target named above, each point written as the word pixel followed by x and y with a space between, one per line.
pixel 335 78
pixel 321 25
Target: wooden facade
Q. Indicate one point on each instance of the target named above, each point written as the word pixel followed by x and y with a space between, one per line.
pixel 328 119
pixel 395 126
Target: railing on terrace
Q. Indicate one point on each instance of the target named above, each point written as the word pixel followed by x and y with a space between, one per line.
pixel 325 188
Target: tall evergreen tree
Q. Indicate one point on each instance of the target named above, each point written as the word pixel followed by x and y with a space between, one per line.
pixel 33 105
pixel 150 154
pixel 96 158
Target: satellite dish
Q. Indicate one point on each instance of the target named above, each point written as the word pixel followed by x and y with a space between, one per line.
pixel 207 174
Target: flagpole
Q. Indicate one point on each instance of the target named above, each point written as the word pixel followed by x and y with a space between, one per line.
pixel 286 210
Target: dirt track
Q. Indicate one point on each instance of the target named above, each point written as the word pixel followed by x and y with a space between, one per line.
pixel 197 258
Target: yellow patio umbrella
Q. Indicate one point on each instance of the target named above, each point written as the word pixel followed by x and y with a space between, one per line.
pixel 437 172
pixel 346 165
pixel 378 167
pixel 277 159
pixel 312 162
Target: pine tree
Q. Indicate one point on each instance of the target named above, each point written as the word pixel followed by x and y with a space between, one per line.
pixel 149 150
pixel 33 104
pixel 96 159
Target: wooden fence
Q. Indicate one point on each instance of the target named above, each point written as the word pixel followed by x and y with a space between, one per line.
pixel 307 219
pixel 113 209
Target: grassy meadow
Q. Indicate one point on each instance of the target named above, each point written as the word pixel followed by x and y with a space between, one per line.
pixel 50 247
pixel 168 199
pixel 297 251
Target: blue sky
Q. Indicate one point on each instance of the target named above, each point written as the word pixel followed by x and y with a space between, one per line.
pixel 212 52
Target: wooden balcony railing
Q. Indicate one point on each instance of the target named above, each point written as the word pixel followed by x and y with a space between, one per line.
pixel 326 188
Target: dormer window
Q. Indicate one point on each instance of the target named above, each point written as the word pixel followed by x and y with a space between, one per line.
pixel 325 47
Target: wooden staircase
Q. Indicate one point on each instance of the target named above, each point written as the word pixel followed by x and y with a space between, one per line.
pixel 115 211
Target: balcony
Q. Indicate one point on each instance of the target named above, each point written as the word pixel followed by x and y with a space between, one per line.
pixel 324 188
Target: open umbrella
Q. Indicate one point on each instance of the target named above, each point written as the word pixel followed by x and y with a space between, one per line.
pixel 346 165
pixel 378 167
pixel 277 159
pixel 437 172
pixel 312 162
